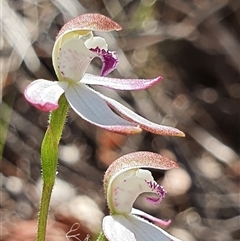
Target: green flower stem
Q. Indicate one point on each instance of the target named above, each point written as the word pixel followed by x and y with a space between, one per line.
pixel 101 237
pixel 49 161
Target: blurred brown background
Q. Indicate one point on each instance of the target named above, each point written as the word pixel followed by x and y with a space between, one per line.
pixel 194 45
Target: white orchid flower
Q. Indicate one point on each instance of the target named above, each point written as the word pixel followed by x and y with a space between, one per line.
pixel 124 181
pixel 74 49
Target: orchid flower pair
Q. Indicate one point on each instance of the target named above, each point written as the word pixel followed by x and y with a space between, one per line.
pixel 74 49
pixel 124 181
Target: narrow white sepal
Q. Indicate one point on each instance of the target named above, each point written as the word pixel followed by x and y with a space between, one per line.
pixel 87 104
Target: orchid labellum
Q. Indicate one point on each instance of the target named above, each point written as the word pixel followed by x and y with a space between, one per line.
pixel 74 49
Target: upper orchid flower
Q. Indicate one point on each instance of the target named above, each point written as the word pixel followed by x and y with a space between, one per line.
pixel 74 49
pixel 124 181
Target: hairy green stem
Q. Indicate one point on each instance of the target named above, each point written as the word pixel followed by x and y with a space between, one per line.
pixel 43 211
pixel 49 161
pixel 101 237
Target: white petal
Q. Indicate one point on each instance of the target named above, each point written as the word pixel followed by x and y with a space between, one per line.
pixel 44 94
pixel 74 59
pixel 132 228
pixel 87 104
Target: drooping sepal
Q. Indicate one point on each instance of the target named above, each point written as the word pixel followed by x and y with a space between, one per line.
pixel 142 122
pixel 93 109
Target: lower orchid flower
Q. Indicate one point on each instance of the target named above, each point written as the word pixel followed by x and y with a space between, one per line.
pixel 74 49
pixel 124 181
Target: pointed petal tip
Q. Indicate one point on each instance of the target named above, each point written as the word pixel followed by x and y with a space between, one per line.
pixel 159 78
pixel 161 129
pixel 180 134
pixel 154 81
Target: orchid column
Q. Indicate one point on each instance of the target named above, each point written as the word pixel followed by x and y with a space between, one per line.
pixel 74 49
